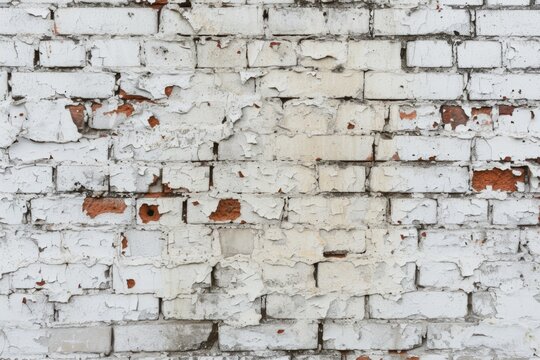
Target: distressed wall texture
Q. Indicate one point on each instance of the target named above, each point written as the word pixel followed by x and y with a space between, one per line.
pixel 269 179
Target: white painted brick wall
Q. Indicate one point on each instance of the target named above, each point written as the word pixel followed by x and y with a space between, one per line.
pixel 250 180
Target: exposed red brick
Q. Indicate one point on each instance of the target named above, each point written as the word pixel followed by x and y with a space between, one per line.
pixel 227 209
pixel 149 213
pixel 153 121
pixel 126 96
pixel 407 115
pixel 453 115
pixel 40 283
pixel 124 242
pixel 77 114
pixel 158 4
pixel 498 179
pixel 280 331
pixel 274 43
pixel 350 126
pixel 168 90
pixel 486 110
pixel 363 357
pixel 506 110
pixel 130 283
pixel 97 206
pixel 126 109
pixel 95 106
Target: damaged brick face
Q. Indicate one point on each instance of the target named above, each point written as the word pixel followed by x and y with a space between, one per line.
pixel 256 180
pixel 149 213
pixel 227 210
pixel 97 206
pixel 498 179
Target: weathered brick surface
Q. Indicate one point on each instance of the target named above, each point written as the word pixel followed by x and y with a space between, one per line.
pixel 270 179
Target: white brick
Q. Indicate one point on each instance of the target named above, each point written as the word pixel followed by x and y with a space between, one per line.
pixel 508 22
pixel 419 179
pixel 247 208
pixel 322 54
pixel 53 84
pixel 337 211
pixel 516 212
pixel 3 84
pixel 510 339
pixel 20 21
pixel 463 211
pixel 522 54
pixel 412 211
pixel 202 20
pixel 428 86
pixel 142 244
pixel 374 55
pixel 16 53
pixel 160 211
pixel 57 340
pixel 420 305
pixel 506 148
pixel 334 147
pixel 59 282
pixel 132 178
pixel 219 54
pixel 12 209
pixel 421 22
pixel 372 336
pixel 22 309
pixel 76 211
pixel 12 119
pixel 161 282
pixel 26 179
pixel 286 83
pixel 271 53
pixel 507 2
pixel 412 148
pixel 342 178
pixel 260 178
pixel 348 21
pixel 331 306
pixel 213 306
pixel 105 21
pixel 429 53
pixel 479 54
pixel 296 21
pixel 80 177
pixel 107 308
pixel 300 335
pixel 111 53
pixel 62 53
pixel 84 151
pixel 71 247
pixel 171 54
pixel 187 177
pixel 23 252
pixel 50 121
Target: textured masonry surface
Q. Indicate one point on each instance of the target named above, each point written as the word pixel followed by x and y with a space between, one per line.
pixel 270 179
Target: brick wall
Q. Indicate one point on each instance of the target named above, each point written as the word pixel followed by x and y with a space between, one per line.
pixel 270 179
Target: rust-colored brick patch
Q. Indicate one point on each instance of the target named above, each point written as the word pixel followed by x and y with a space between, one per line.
pixel 149 213
pixel 498 179
pixel 227 209
pixel 97 206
